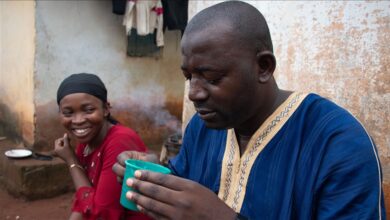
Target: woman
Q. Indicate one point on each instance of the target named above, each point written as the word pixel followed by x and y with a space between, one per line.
pixel 85 114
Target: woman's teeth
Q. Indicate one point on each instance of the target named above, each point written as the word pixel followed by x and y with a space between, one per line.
pixel 80 131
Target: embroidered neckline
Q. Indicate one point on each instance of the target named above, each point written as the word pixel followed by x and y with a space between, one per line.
pixel 236 169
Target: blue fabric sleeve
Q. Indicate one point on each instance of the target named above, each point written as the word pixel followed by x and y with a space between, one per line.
pixel 349 182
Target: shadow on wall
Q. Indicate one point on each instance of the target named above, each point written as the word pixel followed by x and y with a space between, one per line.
pixel 9 124
pixel 47 126
pixel 154 123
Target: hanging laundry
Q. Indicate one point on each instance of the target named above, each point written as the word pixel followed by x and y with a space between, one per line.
pixel 175 14
pixel 139 46
pixel 119 7
pixel 144 26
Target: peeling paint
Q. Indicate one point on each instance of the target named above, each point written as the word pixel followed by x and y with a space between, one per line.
pixel 339 50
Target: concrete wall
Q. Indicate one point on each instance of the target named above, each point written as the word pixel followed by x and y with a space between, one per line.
pixel 85 36
pixel 17 35
pixel 338 49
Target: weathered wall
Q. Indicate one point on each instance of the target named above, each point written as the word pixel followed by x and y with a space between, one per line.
pixel 17 35
pixel 85 36
pixel 339 49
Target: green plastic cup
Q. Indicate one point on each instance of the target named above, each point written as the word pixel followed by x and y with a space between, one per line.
pixel 131 166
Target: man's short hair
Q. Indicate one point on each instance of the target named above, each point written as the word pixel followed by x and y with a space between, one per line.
pixel 248 23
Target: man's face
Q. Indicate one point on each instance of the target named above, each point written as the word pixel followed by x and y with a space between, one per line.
pixel 222 76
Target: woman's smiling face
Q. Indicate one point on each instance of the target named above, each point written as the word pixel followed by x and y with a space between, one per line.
pixel 84 116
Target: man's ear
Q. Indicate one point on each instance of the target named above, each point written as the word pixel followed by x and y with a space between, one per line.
pixel 267 64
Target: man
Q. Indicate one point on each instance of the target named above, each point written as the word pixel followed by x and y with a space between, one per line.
pixel 254 151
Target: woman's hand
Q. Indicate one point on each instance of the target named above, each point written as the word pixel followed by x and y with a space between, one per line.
pixel 63 150
pixel 164 196
pixel 119 166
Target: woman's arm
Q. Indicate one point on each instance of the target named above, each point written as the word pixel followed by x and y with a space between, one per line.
pixel 64 151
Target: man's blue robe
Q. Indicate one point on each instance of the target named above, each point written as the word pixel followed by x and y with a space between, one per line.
pixel 311 159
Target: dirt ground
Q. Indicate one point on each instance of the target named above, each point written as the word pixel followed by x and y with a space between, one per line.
pixel 56 208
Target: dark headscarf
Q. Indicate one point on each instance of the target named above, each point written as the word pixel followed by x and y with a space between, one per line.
pixel 82 83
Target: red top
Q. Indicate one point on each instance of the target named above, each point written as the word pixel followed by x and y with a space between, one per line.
pixel 101 201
